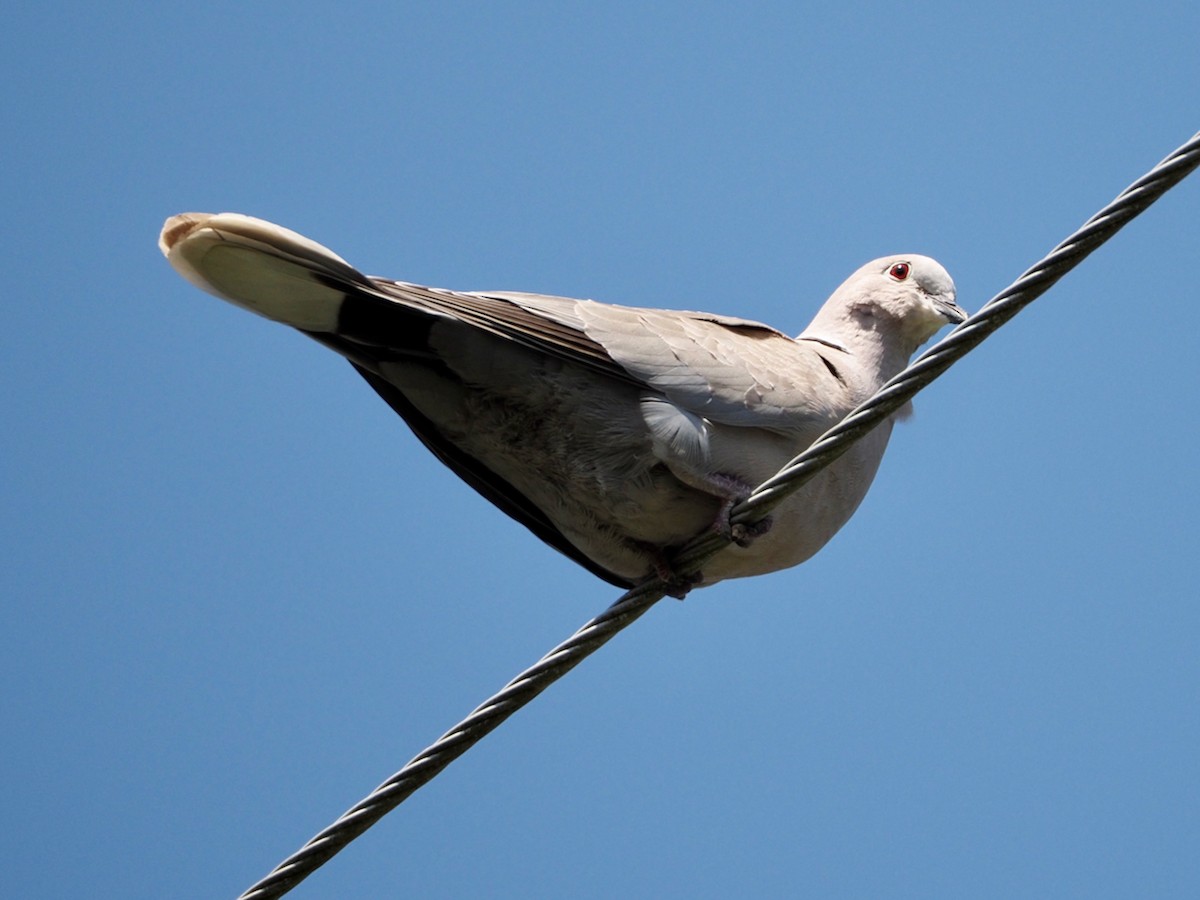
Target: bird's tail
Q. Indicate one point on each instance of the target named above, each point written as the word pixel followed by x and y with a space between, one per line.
pixel 261 267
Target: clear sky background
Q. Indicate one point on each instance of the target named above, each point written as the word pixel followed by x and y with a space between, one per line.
pixel 237 594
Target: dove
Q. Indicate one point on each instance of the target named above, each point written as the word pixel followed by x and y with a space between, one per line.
pixel 613 433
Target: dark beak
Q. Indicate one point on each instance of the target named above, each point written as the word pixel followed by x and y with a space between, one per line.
pixel 951 311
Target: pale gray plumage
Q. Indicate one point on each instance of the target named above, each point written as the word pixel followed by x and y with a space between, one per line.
pixel 614 433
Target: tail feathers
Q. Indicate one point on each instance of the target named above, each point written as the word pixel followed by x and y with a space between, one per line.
pixel 261 267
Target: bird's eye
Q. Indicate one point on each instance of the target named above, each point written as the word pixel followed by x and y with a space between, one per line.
pixel 899 271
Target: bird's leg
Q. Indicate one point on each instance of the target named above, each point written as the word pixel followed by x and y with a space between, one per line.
pixel 734 491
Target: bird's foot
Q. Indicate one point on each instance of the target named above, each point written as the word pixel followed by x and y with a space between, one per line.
pixel 675 584
pixel 735 491
pixel 744 534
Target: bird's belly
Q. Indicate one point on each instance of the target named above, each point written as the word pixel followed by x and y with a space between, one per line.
pixel 809 518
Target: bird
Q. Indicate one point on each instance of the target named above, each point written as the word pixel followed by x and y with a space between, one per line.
pixel 615 434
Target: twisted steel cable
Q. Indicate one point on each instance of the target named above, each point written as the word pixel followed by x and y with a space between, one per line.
pixel 595 633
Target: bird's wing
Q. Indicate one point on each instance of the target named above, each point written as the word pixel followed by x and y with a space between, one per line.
pixel 725 369
pixel 730 371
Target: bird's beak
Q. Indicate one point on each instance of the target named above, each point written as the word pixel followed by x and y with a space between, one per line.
pixel 949 310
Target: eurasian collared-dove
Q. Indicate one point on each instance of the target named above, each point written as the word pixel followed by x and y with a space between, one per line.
pixel 614 433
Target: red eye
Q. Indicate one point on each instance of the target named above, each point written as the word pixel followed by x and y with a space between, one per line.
pixel 899 271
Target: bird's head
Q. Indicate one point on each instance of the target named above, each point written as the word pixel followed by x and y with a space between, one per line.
pixel 906 292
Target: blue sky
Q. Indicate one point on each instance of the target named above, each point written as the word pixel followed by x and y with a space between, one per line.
pixel 238 594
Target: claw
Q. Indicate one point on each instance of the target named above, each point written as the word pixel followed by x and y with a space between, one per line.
pixel 735 491
pixel 675 584
pixel 745 534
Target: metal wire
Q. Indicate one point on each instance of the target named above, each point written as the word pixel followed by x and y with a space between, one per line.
pixel 597 632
